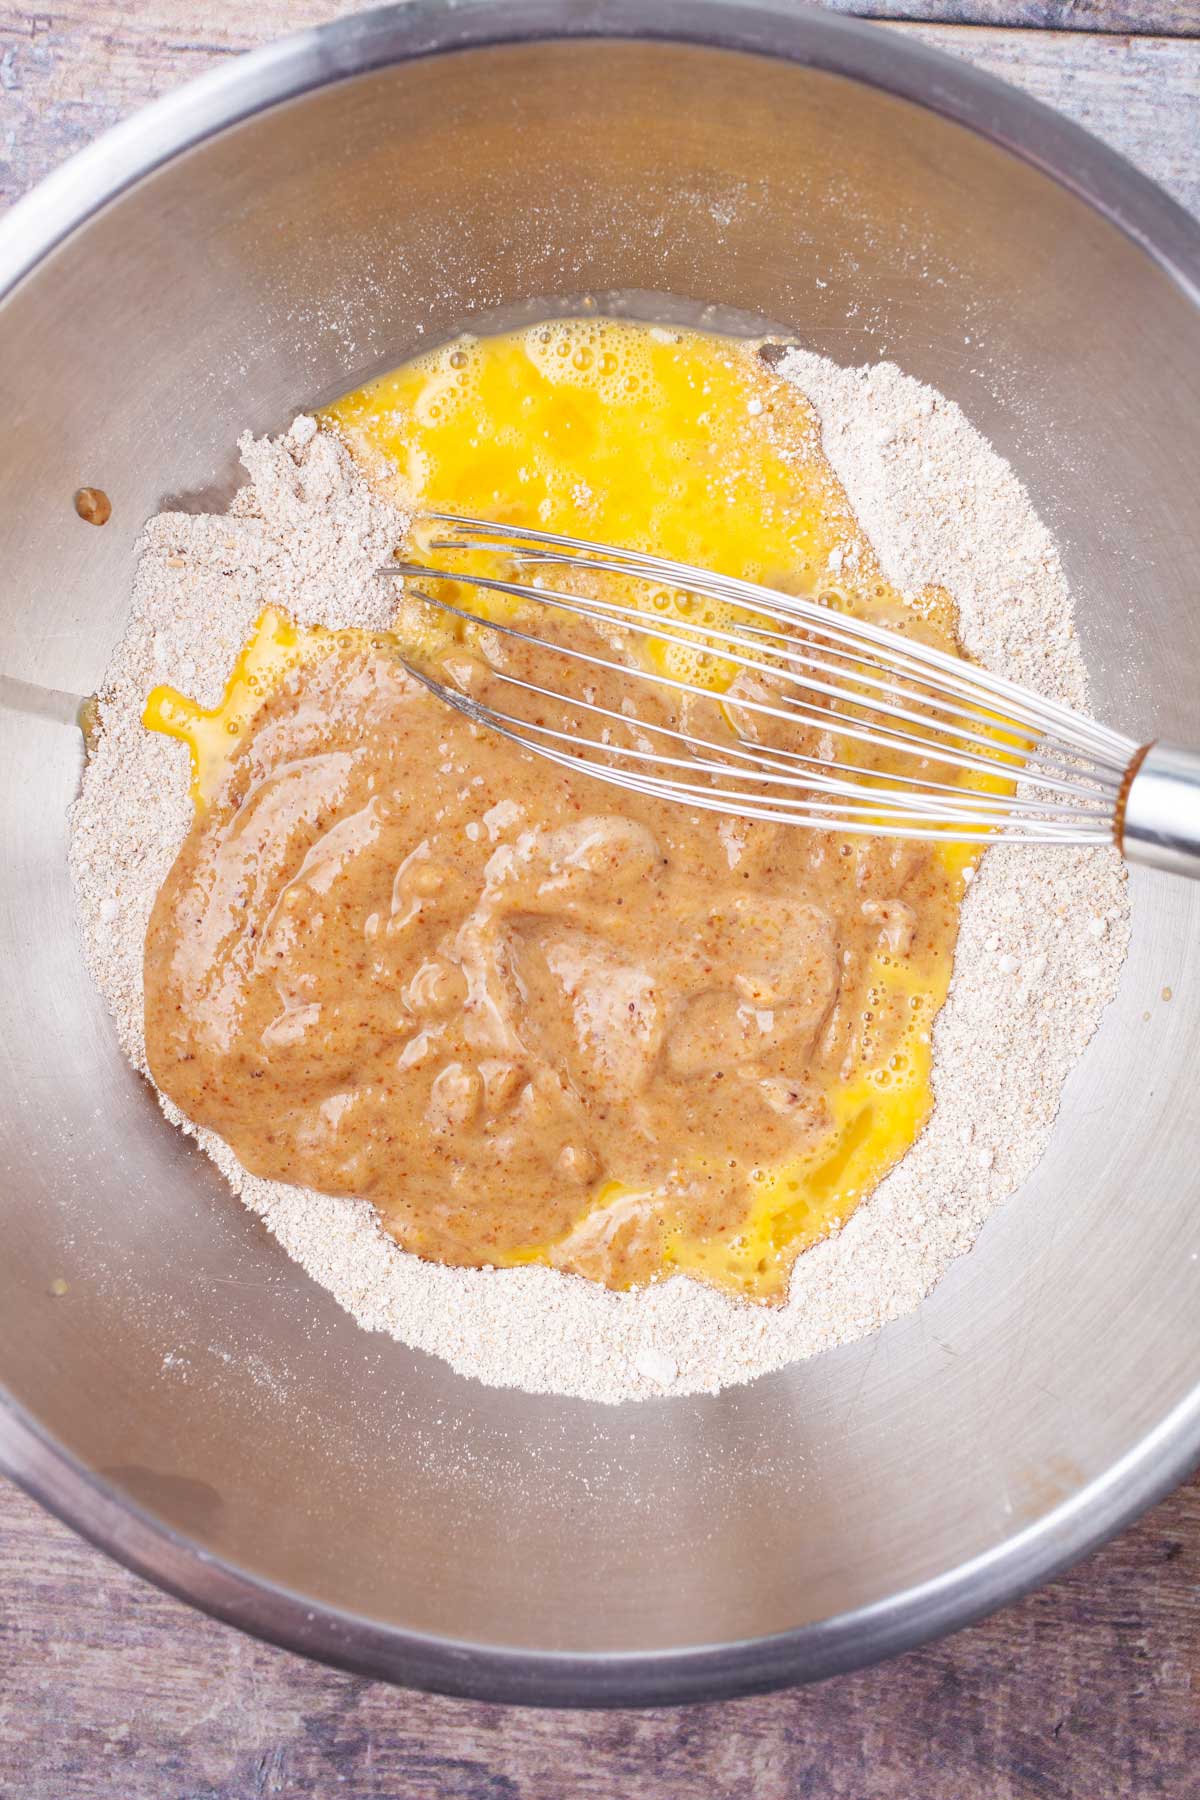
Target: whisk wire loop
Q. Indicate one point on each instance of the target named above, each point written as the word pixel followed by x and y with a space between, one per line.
pixel 897 738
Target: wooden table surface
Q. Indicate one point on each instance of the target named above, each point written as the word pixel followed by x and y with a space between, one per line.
pixel 1086 1691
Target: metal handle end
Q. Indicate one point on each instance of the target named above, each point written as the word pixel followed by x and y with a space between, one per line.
pixel 1159 825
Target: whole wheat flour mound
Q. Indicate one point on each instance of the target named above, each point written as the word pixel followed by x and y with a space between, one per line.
pixel 1041 944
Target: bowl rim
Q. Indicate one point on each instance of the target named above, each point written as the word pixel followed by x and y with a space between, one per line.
pixel 1166 232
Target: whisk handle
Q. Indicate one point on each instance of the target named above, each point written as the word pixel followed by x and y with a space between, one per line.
pixel 1160 822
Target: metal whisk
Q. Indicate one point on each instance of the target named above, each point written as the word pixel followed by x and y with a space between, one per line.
pixel 898 738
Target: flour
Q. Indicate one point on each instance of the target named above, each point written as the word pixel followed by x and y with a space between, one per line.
pixel 1042 938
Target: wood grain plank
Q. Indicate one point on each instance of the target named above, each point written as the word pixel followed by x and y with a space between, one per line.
pixel 1161 18
pixel 1085 1691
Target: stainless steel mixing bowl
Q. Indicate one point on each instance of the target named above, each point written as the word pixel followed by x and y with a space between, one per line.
pixel 195 1404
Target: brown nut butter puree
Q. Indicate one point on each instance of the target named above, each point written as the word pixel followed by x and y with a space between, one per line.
pixel 400 958
pixel 531 1018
